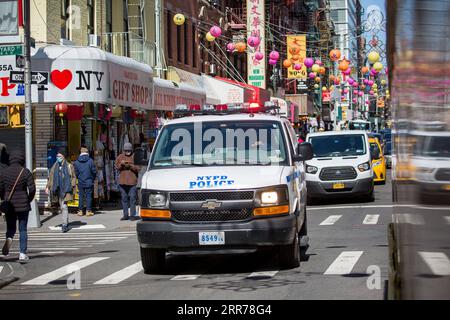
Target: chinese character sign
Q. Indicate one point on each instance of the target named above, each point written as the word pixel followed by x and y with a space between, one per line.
pixel 255 27
pixel 296 52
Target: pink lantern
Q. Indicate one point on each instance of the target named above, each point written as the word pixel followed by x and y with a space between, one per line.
pixel 215 31
pixel 360 93
pixel 318 62
pixel 350 81
pixel 345 90
pixel 312 75
pixel 370 83
pixel 272 62
pixel 354 100
pixel 355 91
pixel 355 84
pixel 308 62
pixel 231 46
pixel 298 66
pixel 386 70
pixel 371 92
pixel 259 56
pixel 347 72
pixel 253 41
pixel 274 55
pixel 366 81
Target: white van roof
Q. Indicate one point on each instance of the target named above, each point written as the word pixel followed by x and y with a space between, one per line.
pixel 230 117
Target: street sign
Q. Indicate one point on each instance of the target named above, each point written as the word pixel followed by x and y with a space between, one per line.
pixel 37 77
pixel 11 50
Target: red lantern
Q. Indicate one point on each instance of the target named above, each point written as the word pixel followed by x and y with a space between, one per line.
pixel 61 109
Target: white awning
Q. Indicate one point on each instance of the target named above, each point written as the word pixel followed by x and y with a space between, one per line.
pixel 169 93
pixel 220 92
pixel 88 74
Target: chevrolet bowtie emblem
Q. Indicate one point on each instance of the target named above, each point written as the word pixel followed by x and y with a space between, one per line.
pixel 211 204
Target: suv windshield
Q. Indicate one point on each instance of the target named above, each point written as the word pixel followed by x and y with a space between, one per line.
pixel 220 143
pixel 430 146
pixel 338 145
pixel 365 126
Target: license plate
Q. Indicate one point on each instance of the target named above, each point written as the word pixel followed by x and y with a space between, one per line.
pixel 211 238
pixel 338 186
pixel 446 187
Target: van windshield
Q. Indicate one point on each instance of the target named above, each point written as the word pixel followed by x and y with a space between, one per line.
pixel 338 145
pixel 431 146
pixel 220 143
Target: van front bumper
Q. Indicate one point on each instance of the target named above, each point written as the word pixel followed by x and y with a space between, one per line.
pixel 324 189
pixel 248 235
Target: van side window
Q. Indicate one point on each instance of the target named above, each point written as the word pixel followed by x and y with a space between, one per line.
pixel 292 136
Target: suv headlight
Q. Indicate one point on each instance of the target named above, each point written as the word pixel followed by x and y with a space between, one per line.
pixel 311 169
pixel 364 166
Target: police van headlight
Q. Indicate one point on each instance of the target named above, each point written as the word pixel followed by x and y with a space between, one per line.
pixel 269 197
pixel 271 201
pixel 157 199
pixel 154 204
pixel 364 166
pixel 311 169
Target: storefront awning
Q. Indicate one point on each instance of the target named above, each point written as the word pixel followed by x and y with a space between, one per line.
pixel 87 74
pixel 253 94
pixel 169 93
pixel 221 92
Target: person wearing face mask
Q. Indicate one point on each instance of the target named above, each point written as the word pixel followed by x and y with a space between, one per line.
pixel 61 184
pixel 128 178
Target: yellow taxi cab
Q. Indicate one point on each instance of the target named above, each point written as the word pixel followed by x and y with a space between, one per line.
pixel 379 163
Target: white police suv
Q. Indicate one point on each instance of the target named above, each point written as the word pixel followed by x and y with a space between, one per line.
pixel 224 181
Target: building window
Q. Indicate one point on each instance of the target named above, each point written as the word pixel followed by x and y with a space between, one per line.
pixel 9 20
pixel 186 46
pixel 65 19
pixel 125 16
pixel 91 17
pixel 108 16
pixel 179 44
pixel 169 35
pixel 194 46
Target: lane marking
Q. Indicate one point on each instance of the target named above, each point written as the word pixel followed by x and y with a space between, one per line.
pixel 330 220
pixel 122 275
pixel 1 268
pixel 409 218
pixel 85 227
pixel 438 262
pixel 63 271
pixel 377 206
pixel 103 233
pixel 263 274
pixel 51 249
pixel 183 277
pixel 344 263
pixel 371 219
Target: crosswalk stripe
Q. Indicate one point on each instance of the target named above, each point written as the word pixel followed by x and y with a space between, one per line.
pixel 371 219
pixel 1 268
pixel 122 275
pixel 83 233
pixel 438 262
pixel 263 274
pixel 330 220
pixel 409 218
pixel 50 249
pixel 75 238
pixel 186 277
pixel 85 227
pixel 344 263
pixel 63 271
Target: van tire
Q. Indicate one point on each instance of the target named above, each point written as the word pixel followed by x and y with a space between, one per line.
pixel 371 197
pixel 304 228
pixel 289 255
pixel 153 260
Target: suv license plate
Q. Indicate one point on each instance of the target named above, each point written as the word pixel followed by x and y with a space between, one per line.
pixel 338 186
pixel 211 238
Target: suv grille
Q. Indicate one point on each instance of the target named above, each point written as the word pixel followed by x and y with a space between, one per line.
pixel 338 173
pixel 203 196
pixel 211 215
pixel 443 174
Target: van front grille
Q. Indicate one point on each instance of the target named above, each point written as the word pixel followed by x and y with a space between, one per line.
pixel 338 173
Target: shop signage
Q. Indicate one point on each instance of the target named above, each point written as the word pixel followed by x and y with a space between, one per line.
pixel 256 27
pixel 296 51
pixel 326 96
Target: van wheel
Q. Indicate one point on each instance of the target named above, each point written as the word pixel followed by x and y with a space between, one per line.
pixel 304 229
pixel 153 260
pixel 289 255
pixel 371 197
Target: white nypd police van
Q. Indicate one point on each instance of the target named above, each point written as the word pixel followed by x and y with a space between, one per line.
pixel 224 182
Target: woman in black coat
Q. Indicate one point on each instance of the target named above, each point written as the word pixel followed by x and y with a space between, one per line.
pixel 21 198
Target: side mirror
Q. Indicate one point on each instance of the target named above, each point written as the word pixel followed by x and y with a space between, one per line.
pixel 141 156
pixel 304 152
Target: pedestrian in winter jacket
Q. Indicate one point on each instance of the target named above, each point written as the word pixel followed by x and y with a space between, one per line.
pixel 86 172
pixel 21 197
pixel 128 178
pixel 61 183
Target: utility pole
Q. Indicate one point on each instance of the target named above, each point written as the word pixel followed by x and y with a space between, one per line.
pixel 33 219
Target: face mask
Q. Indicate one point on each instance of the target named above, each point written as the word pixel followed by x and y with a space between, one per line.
pixel 59 159
pixel 128 153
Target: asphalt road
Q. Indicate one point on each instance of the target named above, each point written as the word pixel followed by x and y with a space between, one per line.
pixel 347 259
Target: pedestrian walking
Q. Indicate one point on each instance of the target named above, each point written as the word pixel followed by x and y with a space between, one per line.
pixel 85 172
pixel 128 178
pixel 61 183
pixel 4 158
pixel 18 188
